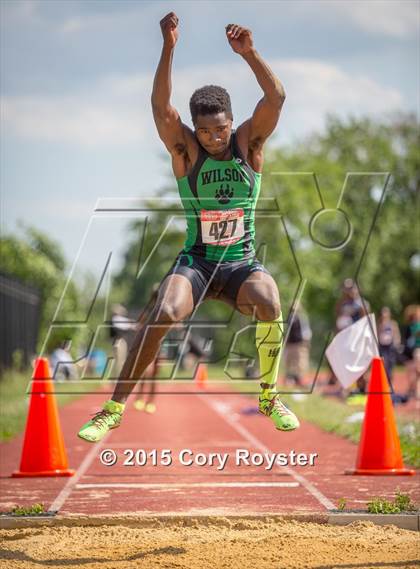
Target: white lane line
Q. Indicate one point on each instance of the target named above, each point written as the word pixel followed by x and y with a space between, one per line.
pixel 194 485
pixel 221 409
pixel 72 482
pixel 204 444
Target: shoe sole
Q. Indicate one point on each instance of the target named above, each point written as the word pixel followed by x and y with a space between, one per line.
pixel 286 430
pixel 89 441
pixel 278 428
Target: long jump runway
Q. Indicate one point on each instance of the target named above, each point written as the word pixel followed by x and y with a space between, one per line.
pixel 201 453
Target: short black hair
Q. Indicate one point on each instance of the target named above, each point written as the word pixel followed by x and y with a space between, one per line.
pixel 210 100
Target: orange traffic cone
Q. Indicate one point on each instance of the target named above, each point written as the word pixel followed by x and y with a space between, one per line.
pixel 43 451
pixel 379 448
pixel 201 376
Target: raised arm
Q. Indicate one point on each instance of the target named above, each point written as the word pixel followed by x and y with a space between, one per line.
pixel 267 112
pixel 173 133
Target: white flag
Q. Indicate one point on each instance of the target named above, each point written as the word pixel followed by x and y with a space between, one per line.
pixel 351 351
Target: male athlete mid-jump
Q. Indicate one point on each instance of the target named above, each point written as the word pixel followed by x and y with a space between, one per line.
pixel 218 172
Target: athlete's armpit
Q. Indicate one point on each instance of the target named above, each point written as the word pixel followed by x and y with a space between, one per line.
pixel 252 148
pixel 180 149
pixel 178 139
pixel 184 154
pixel 255 144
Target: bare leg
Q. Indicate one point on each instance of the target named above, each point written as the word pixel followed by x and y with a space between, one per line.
pixel 174 304
pixel 148 387
pixel 152 391
pixel 259 295
pixel 140 387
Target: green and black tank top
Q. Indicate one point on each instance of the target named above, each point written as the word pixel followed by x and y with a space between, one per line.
pixel 219 198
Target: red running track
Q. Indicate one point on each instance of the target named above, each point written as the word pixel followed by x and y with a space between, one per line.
pixel 198 423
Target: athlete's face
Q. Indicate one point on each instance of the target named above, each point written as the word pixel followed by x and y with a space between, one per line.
pixel 213 133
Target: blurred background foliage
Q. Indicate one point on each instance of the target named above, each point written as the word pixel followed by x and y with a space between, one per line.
pixel 368 158
pixel 300 179
pixel 37 260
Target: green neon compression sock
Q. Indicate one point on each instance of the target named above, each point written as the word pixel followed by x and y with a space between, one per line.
pixel 269 342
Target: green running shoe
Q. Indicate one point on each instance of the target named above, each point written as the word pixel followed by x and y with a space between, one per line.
pixel 282 417
pixel 103 421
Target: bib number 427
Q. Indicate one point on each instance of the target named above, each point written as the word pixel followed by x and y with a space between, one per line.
pixel 222 227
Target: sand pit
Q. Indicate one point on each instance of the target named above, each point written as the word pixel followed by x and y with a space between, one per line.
pixel 221 544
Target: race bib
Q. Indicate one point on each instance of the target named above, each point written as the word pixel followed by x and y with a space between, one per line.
pixel 222 227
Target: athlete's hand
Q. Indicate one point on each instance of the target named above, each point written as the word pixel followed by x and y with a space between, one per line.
pixel 169 27
pixel 240 39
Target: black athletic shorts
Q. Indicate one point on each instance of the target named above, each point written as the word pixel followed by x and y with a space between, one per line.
pixel 210 279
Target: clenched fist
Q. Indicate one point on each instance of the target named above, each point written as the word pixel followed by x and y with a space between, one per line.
pixel 169 27
pixel 240 39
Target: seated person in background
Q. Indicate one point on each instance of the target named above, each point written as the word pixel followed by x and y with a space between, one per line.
pixel 62 363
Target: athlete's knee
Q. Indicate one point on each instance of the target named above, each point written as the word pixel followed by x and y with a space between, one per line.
pixel 170 313
pixel 269 310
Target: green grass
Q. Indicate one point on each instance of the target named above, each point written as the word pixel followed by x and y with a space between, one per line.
pixel 342 502
pixel 14 399
pixel 402 503
pixel 34 510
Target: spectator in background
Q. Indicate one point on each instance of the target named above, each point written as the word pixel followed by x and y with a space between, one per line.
pixel 296 352
pixel 62 364
pixel 350 306
pixel 411 346
pixel 193 351
pixel 389 340
pixel 349 309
